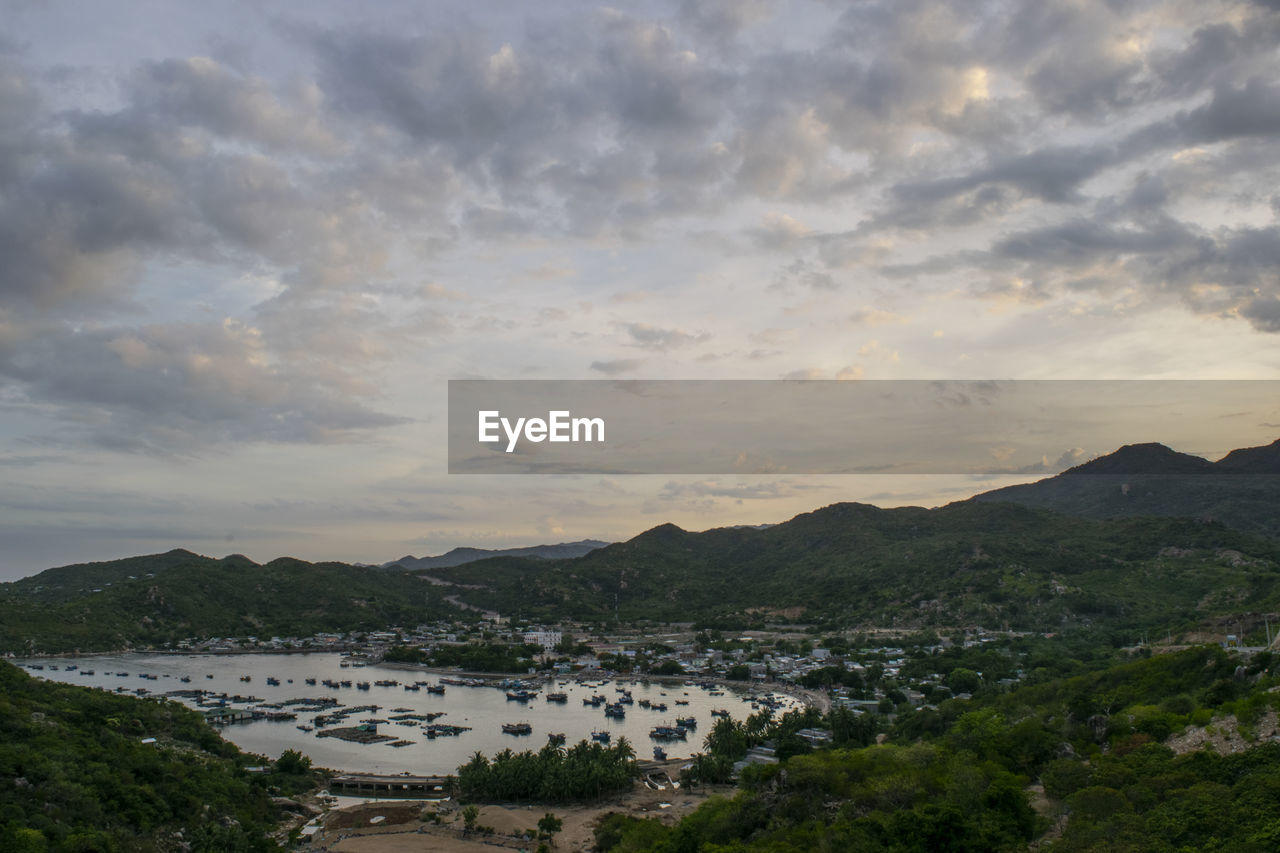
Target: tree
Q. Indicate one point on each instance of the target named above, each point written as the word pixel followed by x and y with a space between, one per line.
pixel 292 761
pixel 549 825
pixel 470 815
pixel 668 667
pixel 964 680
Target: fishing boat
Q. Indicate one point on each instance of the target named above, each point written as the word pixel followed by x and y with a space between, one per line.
pixel 603 737
pixel 687 722
pixel 659 754
pixel 615 711
pixel 517 728
pixel 558 697
pixel 667 733
pixel 555 738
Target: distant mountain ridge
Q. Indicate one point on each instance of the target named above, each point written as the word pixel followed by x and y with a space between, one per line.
pixel 1155 458
pixel 1240 490
pixel 1143 538
pixel 164 598
pixel 462 556
pixel 965 563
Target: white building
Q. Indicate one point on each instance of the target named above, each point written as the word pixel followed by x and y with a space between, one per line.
pixel 546 639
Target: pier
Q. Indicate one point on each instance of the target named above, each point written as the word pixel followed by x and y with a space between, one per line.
pixel 408 787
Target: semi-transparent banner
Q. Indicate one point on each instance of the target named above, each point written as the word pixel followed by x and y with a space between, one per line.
pixel 838 427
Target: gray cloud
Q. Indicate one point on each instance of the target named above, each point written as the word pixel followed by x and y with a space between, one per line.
pixel 658 338
pixel 182 387
pixel 617 366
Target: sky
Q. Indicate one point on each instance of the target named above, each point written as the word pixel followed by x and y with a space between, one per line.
pixel 245 245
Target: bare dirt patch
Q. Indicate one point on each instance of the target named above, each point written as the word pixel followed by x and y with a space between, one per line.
pixel 402 831
pixel 1223 736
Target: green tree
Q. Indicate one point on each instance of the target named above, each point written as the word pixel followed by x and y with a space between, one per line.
pixel 548 826
pixel 292 761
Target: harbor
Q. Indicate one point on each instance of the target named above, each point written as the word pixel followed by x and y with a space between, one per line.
pixel 355 716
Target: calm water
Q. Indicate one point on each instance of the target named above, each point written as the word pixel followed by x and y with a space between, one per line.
pixel 483 709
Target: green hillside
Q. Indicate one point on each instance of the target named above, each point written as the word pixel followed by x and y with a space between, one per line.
pixel 990 564
pixel 78 776
pixel 164 598
pixel 1078 764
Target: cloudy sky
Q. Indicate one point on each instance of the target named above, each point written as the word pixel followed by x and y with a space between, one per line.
pixel 244 245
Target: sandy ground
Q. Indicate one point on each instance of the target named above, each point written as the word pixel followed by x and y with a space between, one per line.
pixel 402 829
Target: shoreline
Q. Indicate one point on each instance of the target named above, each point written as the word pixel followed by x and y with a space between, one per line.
pixel 806 696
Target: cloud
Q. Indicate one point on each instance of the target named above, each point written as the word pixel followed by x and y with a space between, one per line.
pixel 1263 312
pixel 658 338
pixel 738 490
pixel 1053 174
pixel 617 366
pixel 180 388
pixel 805 274
pixel 1068 459
pixel 875 317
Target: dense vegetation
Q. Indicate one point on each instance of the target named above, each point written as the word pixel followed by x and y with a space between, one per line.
pixel 850 564
pixel 75 775
pixel 959 777
pixel 584 771
pixel 920 797
pixel 164 598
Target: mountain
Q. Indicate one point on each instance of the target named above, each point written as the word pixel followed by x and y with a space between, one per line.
pixel 461 556
pixel 854 564
pixel 1253 460
pixel 1241 490
pixel 162 598
pixel 1144 538
pixel 1151 458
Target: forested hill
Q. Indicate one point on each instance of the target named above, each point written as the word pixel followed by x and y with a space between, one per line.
pixel 77 775
pixel 459 556
pixel 156 599
pixel 1109 760
pixel 1241 490
pixel 990 564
